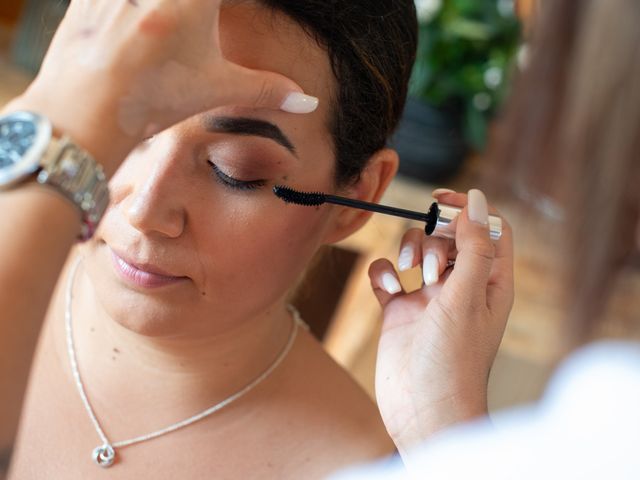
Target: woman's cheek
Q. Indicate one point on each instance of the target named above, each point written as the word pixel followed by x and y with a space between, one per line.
pixel 298 238
pixel 271 258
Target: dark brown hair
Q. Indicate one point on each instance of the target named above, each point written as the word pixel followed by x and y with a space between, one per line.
pixel 572 132
pixel 371 45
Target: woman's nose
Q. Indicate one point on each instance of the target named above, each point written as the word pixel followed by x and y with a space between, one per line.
pixel 154 205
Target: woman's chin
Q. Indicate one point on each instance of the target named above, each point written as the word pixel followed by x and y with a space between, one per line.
pixel 148 323
pixel 159 312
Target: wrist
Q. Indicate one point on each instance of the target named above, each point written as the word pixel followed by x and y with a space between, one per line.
pixel 94 129
pixel 33 155
pixel 434 416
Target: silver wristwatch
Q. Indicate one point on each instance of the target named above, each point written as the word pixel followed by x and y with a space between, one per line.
pixel 28 150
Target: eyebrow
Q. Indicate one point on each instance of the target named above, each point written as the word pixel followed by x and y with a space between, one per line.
pixel 249 127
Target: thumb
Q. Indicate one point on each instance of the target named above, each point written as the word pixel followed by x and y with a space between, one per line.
pixel 261 89
pixel 468 280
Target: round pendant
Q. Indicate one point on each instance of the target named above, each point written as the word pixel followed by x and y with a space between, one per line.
pixel 104 455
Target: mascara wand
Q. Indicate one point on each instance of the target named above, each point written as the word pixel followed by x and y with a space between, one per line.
pixel 437 219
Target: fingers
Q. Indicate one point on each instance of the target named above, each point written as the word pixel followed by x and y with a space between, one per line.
pixel 500 291
pixel 410 249
pixel 260 89
pixel 500 284
pixel 476 252
pixel 431 253
pixel 384 281
pixel 436 253
pixel 483 273
pixel 450 197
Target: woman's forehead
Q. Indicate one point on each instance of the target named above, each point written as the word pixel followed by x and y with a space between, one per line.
pixel 256 37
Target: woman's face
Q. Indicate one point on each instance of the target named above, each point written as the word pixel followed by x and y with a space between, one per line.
pixel 195 201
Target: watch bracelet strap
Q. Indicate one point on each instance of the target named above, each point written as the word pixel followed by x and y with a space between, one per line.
pixel 77 176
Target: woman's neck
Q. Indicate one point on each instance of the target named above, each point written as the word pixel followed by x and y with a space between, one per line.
pixel 120 366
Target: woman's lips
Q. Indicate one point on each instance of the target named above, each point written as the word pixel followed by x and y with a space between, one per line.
pixel 138 276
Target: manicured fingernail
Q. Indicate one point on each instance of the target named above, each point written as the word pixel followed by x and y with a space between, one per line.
pixel 430 269
pixel 390 283
pixel 297 102
pixel 478 208
pixel 441 191
pixel 405 259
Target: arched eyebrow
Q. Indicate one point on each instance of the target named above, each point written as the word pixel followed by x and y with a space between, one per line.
pixel 248 126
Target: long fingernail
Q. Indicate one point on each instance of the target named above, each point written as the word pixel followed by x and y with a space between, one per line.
pixel 390 283
pixel 405 259
pixel 297 102
pixel 430 269
pixel 441 191
pixel 478 208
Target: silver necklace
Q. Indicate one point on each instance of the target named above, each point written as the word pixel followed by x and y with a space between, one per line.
pixel 104 455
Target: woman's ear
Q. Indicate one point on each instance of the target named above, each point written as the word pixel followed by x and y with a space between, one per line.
pixel 373 182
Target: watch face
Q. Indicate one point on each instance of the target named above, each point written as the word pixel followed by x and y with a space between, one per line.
pixel 24 137
pixel 16 137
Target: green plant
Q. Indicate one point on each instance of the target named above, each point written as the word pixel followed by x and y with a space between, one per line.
pixel 465 53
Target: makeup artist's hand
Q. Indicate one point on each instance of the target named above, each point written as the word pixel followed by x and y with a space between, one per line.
pixel 438 343
pixel 119 70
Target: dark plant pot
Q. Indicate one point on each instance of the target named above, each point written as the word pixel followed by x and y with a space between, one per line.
pixel 430 142
pixel 39 21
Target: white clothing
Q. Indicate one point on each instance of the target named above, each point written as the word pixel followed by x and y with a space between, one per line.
pixel 587 427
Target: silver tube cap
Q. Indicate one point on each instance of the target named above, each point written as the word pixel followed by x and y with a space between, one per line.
pixel 445 226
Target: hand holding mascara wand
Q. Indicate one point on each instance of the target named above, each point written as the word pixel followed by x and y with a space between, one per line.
pixel 438 218
pixel 443 336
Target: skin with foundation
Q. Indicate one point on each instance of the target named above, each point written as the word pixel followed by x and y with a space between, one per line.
pixel 180 299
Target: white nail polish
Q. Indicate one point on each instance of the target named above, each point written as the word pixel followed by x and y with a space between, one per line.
pixel 441 191
pixel 477 207
pixel 297 102
pixel 430 269
pixel 405 259
pixel 390 283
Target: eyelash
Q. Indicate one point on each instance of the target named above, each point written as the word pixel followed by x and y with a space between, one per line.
pixel 234 183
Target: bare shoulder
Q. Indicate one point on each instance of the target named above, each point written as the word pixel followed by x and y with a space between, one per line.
pixel 341 422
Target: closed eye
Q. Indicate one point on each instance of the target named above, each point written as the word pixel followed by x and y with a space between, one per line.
pixel 234 183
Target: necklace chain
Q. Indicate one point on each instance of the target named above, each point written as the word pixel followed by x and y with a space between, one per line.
pixel 104 455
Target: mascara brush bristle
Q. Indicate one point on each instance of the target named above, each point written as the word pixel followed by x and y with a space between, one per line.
pixel 299 198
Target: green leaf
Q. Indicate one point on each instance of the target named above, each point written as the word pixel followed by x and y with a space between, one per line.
pixel 455 49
